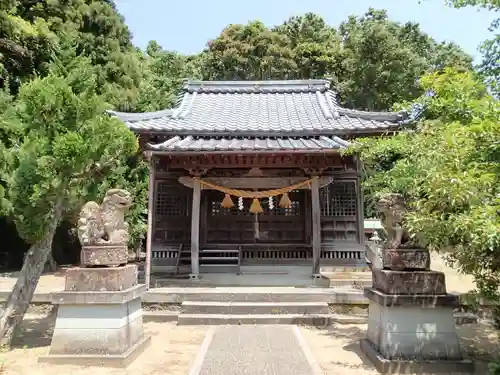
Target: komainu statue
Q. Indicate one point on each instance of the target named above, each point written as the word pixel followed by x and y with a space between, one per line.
pixel 105 224
pixel 393 209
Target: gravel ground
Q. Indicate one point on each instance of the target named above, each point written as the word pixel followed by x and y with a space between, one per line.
pixel 174 348
pixel 337 350
pixel 172 351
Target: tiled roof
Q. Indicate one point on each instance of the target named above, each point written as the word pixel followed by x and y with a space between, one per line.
pixel 191 143
pixel 266 108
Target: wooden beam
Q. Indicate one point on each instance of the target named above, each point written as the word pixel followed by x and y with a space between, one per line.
pixel 195 229
pixel 149 235
pixel 260 160
pixel 316 226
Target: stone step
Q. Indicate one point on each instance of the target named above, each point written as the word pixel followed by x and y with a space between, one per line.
pixel 212 294
pixel 248 308
pixel 223 319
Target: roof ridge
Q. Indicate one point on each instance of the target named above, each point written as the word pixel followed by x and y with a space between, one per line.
pixel 370 115
pixel 139 116
pixel 257 87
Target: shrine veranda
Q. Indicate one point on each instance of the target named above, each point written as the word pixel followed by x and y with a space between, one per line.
pixel 225 139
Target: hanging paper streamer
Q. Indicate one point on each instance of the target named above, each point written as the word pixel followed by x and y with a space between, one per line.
pixel 270 202
pixel 285 201
pixel 227 202
pixel 256 208
pixel 240 203
pixel 256 232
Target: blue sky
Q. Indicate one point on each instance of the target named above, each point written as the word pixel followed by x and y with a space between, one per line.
pixel 186 26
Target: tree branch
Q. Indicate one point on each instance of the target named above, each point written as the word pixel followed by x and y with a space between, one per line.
pixel 94 169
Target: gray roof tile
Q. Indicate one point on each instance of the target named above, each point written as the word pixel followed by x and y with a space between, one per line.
pixel 305 107
pixel 193 143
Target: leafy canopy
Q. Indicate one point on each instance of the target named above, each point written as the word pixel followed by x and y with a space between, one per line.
pixel 449 168
pixel 66 146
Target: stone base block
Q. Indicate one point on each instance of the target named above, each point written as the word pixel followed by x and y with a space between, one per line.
pixel 101 279
pixel 409 332
pixel 115 360
pixel 397 366
pixel 406 259
pixel 97 329
pixel 409 282
pixel 101 328
pixel 415 300
pixel 98 298
pixel 104 255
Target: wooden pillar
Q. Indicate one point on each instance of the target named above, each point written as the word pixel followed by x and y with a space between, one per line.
pixel 360 209
pixel 149 238
pixel 316 226
pixel 195 229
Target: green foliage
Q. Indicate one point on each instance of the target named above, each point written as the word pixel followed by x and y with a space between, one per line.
pixel 33 33
pixel 383 60
pixel 68 148
pixel 449 168
pixel 56 125
pixel 163 76
pixel 373 62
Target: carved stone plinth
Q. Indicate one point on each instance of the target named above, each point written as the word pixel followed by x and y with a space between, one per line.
pixel 101 279
pixel 405 259
pixel 410 283
pixel 99 318
pixel 104 255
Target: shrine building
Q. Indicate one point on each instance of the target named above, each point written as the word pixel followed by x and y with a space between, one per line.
pixel 252 173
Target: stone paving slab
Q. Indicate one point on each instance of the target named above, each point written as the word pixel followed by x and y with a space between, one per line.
pixel 255 350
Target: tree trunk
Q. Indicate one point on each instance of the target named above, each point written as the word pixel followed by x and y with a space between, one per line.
pixel 50 264
pixel 20 298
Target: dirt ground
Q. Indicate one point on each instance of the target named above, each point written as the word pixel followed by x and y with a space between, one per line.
pixel 337 348
pixel 172 351
pixel 174 348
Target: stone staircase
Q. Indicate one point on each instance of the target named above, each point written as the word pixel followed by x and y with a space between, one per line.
pixel 256 308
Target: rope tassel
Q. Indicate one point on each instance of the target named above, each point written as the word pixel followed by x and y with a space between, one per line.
pixel 256 208
pixel 285 201
pixel 227 202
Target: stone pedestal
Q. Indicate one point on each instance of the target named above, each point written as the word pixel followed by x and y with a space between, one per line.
pixel 104 255
pixel 99 318
pixel 410 325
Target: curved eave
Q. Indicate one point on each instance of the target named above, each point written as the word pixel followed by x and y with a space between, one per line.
pixel 180 144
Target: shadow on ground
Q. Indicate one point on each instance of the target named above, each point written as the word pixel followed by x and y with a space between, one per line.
pixel 350 336
pixel 34 332
pixel 480 342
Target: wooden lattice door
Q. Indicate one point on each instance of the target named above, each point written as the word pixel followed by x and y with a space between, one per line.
pixel 339 211
pixel 172 210
pixel 277 225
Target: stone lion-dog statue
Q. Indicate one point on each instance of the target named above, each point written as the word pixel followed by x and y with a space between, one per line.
pixel 105 224
pixel 393 209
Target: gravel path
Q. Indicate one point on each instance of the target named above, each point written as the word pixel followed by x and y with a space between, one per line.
pixel 254 350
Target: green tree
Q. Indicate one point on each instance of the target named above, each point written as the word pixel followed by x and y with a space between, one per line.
pixel 449 168
pixel 164 73
pixel 372 61
pixel 25 47
pixel 34 32
pixel 382 60
pixel 248 52
pixel 316 46
pixel 67 148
